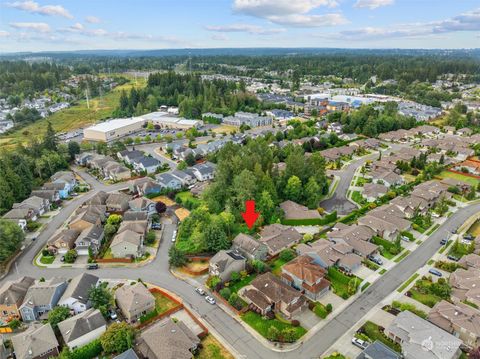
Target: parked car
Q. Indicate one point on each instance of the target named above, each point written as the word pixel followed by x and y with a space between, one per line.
pixel 92 266
pixel 435 272
pixel 156 226
pixel 444 241
pixel 468 237
pixel 200 291
pixel 210 300
pixel 405 238
pixel 34 238
pixel 112 314
pixel 174 235
pixel 62 259
pixel 453 258
pixel 362 344
pixel 376 260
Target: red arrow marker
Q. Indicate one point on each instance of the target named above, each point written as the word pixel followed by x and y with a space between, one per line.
pixel 250 216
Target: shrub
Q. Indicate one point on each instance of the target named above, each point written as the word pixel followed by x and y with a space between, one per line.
pixel 89 351
pixel 295 323
pixel 329 308
pixel 226 293
pixel 287 255
pixel 235 277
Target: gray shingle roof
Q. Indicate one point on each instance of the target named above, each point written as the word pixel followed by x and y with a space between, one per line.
pixel 81 324
pixel 79 287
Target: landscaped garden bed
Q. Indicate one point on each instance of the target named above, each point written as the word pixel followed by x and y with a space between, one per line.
pixel 372 332
pixel 429 293
pixel 283 331
pixel 342 284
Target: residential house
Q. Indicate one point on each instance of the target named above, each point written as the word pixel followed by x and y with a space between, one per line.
pixel 62 188
pixel 12 294
pixel 471 260
pixel 146 164
pixel 66 177
pixel 410 205
pixel 41 297
pixel 76 295
pixel 249 247
pixel 465 285
pixel 130 156
pixel 278 237
pixel 144 186
pixel 51 195
pixel 36 204
pixel 294 210
pixel 382 227
pixel 372 191
pixel 82 159
pixel 268 293
pixel 224 263
pixel 21 216
pixel 89 240
pixel 142 204
pixel 37 342
pixel 82 328
pixel 186 178
pixel 117 202
pixel 378 350
pixel 303 274
pixel 421 339
pixel 128 243
pixel 134 216
pixel 115 171
pixel 168 339
pixel 328 254
pixel 128 354
pixel 134 301
pixel 387 178
pixel 63 241
pixel 85 217
pixel 388 215
pixel 204 171
pixel 459 319
pixel 166 180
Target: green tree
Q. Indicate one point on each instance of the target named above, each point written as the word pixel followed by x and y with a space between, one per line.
pixel 266 206
pixel 313 193
pixel 216 238
pixel 101 297
pixel 118 338
pixel 71 256
pixel 273 333
pixel 287 255
pixel 11 238
pixel 57 315
pixel 73 149
pixel 293 190
pixel 50 138
pixel 176 257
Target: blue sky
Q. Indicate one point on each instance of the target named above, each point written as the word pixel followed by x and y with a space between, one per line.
pixel 38 25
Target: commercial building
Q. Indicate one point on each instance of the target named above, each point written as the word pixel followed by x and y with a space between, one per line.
pixel 113 129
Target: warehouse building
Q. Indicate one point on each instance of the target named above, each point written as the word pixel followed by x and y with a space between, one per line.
pixel 164 120
pixel 113 129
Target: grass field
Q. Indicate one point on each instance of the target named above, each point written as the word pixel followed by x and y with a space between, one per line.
pixel 74 117
pixel 225 129
pixel 470 180
pixel 475 229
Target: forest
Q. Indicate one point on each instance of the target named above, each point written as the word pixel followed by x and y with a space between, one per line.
pixel 190 93
pixel 29 166
pixel 250 172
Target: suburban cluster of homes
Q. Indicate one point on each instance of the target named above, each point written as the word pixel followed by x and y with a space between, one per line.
pixel 61 185
pixel 31 300
pixel 84 232
pixel 347 151
pixel 241 118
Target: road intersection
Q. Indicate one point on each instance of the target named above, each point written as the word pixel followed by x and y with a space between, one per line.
pixel 245 344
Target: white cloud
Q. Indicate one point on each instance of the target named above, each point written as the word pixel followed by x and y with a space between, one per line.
pixel 265 8
pixel 33 26
pixel 92 19
pixel 290 12
pixel 4 33
pixel 468 21
pixel 373 4
pixel 300 20
pixel 34 8
pixel 248 28
pixel 77 26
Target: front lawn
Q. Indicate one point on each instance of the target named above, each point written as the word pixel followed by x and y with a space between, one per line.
pixel 343 285
pixel 263 325
pixel 429 293
pixel 162 304
pixel 357 198
pixel 213 349
pixel 375 332
pixel 387 249
pixel 47 259
pixel 361 181
pixel 459 249
pixel 235 287
pixel 187 200
pixel 321 310
pixel 470 180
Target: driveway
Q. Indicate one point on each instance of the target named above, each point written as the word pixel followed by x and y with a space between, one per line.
pixel 307 319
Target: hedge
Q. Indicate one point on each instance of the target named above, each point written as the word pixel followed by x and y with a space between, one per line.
pixel 312 221
pixel 89 351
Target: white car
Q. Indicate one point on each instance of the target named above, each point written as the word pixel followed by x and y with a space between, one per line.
pixel 362 344
pixel 210 300
pixel 200 291
pixel 174 236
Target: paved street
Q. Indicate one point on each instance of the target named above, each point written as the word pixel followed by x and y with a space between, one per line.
pixel 157 272
pixel 338 202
